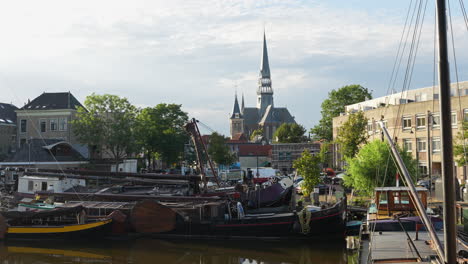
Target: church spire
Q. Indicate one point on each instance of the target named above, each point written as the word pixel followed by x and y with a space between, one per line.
pixel 264 91
pixel 265 66
pixel 264 80
pixel 236 113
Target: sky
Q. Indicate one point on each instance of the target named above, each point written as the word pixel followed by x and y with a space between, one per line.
pixel 198 53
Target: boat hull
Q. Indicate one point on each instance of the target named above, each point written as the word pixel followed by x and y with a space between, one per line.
pixel 80 231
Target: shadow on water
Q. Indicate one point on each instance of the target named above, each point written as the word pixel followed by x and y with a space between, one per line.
pixel 140 251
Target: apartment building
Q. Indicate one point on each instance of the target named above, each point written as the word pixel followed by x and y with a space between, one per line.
pixel 284 154
pixel 413 120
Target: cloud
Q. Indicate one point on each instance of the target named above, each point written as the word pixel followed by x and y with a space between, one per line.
pixel 195 52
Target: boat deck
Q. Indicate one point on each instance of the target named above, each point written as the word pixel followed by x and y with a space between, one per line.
pixel 390 246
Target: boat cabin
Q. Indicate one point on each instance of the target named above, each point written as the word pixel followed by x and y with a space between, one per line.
pixel 28 185
pixel 395 200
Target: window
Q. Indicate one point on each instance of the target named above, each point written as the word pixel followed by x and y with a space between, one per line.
pixel 53 124
pixel 423 168
pixel 23 125
pixel 407 123
pixel 396 198
pixel 465 114
pixel 454 119
pixel 436 120
pixel 404 198
pixel 385 124
pixel 383 198
pixel 436 96
pixel 436 144
pixel 43 186
pixel 63 122
pixel 421 144
pixel 408 145
pixel 370 127
pixel 30 185
pixel 420 121
pixel 43 125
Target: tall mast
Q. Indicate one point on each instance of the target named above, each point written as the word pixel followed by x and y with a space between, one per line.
pixel 450 232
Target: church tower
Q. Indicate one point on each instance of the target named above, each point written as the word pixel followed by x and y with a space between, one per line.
pixel 264 91
pixel 237 120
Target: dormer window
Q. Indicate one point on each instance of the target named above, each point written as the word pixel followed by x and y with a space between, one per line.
pixel 236 115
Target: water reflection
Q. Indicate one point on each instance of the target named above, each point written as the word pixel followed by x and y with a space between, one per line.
pixel 174 251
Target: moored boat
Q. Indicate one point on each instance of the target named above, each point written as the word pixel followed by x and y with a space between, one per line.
pixel 58 223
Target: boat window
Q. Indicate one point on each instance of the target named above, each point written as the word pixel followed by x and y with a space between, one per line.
pixel 404 198
pixel 383 199
pixel 396 198
pixel 30 185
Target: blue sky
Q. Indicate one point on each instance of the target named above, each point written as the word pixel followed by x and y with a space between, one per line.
pixel 196 53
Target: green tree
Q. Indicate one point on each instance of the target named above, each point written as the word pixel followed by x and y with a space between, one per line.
pixel 373 167
pixel 324 154
pixel 334 105
pixel 289 133
pixel 106 124
pixel 307 166
pixel 219 150
pixel 352 134
pixel 160 132
pixel 256 133
pixel 460 146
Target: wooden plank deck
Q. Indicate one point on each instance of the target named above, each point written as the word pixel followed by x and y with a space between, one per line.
pixel 394 246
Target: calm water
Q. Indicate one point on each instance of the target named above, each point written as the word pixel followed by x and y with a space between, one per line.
pixel 174 251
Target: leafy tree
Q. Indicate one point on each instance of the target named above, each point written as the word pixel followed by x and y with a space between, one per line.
pixel 219 150
pixel 289 133
pixel 106 124
pixel 256 133
pixel 307 166
pixel 324 154
pixel 373 167
pixel 460 148
pixel 160 131
pixel 334 105
pixel 352 134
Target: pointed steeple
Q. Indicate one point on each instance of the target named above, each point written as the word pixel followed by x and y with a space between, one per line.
pixel 236 113
pixel 264 66
pixel 264 90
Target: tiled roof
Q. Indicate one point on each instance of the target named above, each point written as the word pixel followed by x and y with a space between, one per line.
pixel 239 137
pixel 255 150
pixel 7 114
pixel 250 115
pixel 48 101
pixel 277 115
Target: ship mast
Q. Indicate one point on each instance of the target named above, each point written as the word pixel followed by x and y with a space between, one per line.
pixel 450 232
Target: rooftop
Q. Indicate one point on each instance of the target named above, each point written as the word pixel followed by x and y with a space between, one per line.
pixel 7 114
pixel 53 101
pixel 417 95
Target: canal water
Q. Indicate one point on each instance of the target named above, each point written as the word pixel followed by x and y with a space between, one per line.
pixel 141 251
